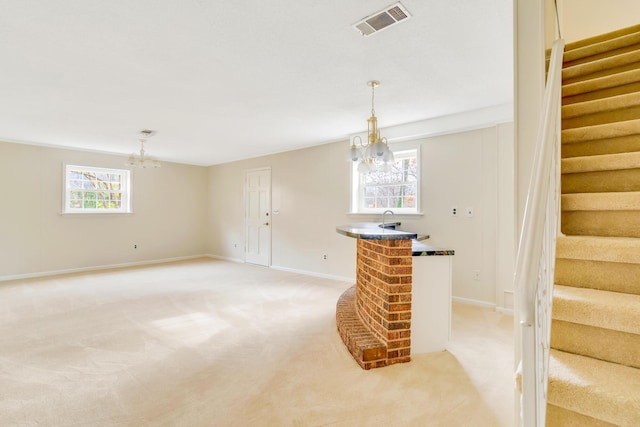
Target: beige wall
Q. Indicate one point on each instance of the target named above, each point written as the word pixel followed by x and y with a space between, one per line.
pixel 580 19
pixel 310 190
pixel 168 220
pixel 182 211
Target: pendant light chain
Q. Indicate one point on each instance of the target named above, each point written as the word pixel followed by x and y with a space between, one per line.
pixel 373 92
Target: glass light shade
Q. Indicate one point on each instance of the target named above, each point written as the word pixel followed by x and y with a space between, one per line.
pixel 354 154
pixel 388 157
pixel 363 167
pixel 369 153
pixel 379 148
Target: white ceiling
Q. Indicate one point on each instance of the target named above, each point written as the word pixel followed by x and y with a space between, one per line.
pixel 227 80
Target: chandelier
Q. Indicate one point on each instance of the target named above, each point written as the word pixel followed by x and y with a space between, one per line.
pixel 142 160
pixel 375 154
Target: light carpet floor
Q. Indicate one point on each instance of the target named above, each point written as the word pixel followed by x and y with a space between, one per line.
pixel 215 343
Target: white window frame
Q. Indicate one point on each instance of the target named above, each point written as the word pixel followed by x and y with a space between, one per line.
pixel 357 188
pixel 124 190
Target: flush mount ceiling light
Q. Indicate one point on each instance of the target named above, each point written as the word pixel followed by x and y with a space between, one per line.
pixel 375 153
pixel 382 19
pixel 143 161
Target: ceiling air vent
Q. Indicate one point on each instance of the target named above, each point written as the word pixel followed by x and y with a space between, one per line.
pixel 380 20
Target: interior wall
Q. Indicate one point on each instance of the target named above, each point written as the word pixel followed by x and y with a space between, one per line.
pixel 581 19
pixel 310 197
pixel 169 214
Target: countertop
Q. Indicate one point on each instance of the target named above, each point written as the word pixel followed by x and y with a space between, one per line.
pixel 373 231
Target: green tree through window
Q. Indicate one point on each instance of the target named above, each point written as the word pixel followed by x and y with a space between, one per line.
pixel 96 190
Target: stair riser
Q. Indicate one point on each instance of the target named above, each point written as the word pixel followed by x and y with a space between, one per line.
pixel 602 344
pixel 601 223
pixel 608 131
pixel 607 276
pixel 618 115
pixel 570 60
pixel 601 181
pixel 571 76
pixel 602 93
pixel 623 144
pixel 560 417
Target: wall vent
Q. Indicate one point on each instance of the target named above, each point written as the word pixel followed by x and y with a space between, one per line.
pixel 382 19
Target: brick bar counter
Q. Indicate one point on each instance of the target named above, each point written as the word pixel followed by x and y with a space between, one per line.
pixel 374 316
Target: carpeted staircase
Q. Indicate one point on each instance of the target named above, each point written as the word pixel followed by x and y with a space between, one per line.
pixel 594 377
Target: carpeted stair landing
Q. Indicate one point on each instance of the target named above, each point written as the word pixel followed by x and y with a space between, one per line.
pixel 594 377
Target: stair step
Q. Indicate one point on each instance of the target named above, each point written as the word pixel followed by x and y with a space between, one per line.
pixel 594 388
pixel 608 276
pixel 604 162
pixel 600 111
pixel 601 87
pixel 601 214
pixel 601 173
pixel 601 67
pixel 622 144
pixel 601 49
pixel 578 44
pixel 594 307
pixel 599 343
pixel 562 417
pixel 623 201
pixel 604 131
pixel 602 249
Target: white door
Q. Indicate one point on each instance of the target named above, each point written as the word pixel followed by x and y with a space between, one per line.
pixel 258 217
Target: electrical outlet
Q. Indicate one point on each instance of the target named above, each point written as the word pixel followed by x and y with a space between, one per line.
pixel 469 212
pixel 235 245
pixel 454 211
pixel 324 257
pixel 476 275
pixel 135 246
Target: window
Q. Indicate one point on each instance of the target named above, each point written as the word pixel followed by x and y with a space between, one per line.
pixel 396 188
pixel 96 190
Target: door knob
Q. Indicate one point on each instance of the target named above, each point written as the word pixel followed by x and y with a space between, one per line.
pixel 266 223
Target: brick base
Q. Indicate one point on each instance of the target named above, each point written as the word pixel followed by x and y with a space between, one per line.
pixel 365 348
pixel 374 316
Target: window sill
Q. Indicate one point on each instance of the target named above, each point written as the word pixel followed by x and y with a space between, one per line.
pixel 376 215
pixel 95 213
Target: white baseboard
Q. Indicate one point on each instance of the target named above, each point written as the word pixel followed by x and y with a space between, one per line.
pixel 475 302
pixel 507 311
pixel 291 270
pixel 485 304
pixel 224 258
pixel 315 274
pixel 96 268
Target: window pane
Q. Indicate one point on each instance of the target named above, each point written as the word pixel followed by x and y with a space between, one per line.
pixel 96 189
pixel 392 186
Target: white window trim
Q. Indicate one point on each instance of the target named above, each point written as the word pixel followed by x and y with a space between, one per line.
pixel 126 185
pixel 356 189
